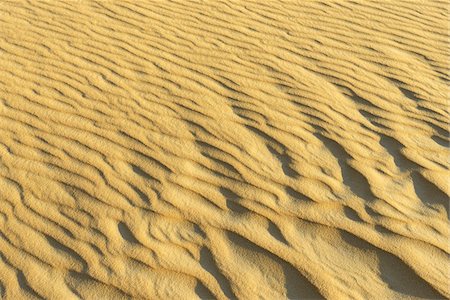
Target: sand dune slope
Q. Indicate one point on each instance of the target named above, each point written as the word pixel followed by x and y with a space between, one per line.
pixel 224 149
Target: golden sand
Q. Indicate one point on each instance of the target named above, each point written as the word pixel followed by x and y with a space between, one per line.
pixel 224 149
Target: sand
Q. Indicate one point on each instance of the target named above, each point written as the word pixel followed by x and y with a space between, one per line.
pixel 224 149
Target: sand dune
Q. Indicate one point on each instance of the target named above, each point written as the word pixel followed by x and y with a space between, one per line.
pixel 224 149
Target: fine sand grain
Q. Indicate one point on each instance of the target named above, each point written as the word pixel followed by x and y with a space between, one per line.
pixel 224 149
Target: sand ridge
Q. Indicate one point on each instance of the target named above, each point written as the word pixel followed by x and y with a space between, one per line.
pixel 224 149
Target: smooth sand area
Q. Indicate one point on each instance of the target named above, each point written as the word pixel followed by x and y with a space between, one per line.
pixel 224 149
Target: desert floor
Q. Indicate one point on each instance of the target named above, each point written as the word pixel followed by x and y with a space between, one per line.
pixel 175 149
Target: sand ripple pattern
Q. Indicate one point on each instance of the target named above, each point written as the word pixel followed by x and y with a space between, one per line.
pixel 224 149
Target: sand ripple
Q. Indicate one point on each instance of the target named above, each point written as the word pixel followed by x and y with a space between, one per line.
pixel 224 149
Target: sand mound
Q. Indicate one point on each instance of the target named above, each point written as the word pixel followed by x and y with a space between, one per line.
pixel 224 149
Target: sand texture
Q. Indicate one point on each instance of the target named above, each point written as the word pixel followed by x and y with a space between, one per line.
pixel 177 149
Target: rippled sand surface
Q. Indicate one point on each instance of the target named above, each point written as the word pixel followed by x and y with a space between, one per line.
pixel 224 149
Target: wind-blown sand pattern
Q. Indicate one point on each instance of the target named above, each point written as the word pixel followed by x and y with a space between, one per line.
pixel 224 149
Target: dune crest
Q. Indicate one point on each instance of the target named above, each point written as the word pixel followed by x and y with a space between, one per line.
pixel 224 149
